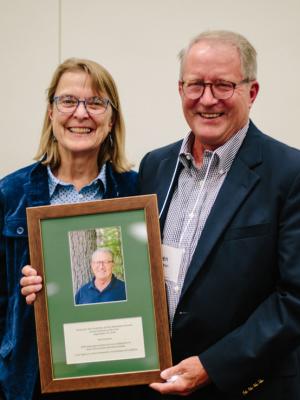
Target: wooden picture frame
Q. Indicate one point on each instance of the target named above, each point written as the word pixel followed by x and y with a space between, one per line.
pixel 104 344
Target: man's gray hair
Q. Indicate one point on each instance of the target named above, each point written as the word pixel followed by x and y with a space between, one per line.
pixel 246 51
pixel 103 250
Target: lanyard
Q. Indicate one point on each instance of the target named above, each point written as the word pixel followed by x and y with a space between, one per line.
pixel 192 214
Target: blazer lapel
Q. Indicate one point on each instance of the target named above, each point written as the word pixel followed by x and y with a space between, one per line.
pixel 240 181
pixel 168 172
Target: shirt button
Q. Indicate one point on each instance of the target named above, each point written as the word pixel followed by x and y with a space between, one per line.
pixel 221 172
pixel 176 288
pixel 20 230
pixel 80 196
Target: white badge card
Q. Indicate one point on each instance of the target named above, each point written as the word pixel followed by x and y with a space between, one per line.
pixel 172 257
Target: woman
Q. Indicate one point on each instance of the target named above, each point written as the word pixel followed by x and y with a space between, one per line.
pixel 80 158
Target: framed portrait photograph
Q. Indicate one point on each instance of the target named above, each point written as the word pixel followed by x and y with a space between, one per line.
pixel 101 318
pixel 97 265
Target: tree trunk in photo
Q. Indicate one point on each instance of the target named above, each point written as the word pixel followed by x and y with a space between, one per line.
pixel 82 246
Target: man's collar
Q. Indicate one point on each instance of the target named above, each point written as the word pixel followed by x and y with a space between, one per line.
pixel 93 285
pixel 225 153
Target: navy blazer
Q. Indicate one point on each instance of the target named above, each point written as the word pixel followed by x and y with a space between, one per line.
pixel 239 308
pixel 28 187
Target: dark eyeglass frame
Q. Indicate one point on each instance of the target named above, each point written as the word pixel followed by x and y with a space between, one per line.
pixel 212 88
pixel 103 262
pixel 105 101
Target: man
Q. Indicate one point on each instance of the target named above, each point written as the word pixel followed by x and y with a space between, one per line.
pixel 105 286
pixel 229 199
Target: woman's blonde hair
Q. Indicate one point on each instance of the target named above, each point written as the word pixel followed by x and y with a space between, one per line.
pixel 113 147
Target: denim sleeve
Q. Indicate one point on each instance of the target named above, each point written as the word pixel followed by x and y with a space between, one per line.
pixel 3 277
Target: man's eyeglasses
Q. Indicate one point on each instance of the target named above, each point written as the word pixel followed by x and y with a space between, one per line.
pixel 68 104
pixel 221 90
pixel 105 263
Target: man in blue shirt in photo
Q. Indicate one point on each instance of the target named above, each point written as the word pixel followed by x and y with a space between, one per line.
pixel 104 287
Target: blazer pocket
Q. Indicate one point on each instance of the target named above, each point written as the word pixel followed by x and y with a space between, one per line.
pixel 248 231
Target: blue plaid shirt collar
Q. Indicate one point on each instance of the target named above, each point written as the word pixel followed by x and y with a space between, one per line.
pixel 54 182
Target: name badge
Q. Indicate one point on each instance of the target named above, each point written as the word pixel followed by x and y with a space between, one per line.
pixel 172 257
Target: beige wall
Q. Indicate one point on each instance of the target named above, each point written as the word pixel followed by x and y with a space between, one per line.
pixel 138 41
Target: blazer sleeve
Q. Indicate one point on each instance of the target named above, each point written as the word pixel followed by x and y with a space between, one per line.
pixel 272 331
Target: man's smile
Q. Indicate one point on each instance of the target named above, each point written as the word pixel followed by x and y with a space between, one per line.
pixel 210 115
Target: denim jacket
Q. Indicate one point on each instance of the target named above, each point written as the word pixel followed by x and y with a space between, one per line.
pixel 27 187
